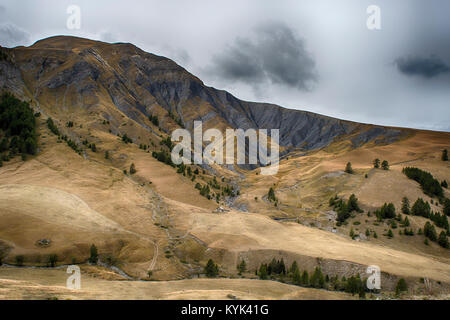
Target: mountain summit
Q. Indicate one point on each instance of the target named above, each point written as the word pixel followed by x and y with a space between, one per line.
pixel 67 73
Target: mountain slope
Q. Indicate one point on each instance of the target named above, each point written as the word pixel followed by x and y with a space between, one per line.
pixel 69 72
pixel 96 93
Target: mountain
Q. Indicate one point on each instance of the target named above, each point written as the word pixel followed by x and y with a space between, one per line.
pixel 97 76
pixel 164 222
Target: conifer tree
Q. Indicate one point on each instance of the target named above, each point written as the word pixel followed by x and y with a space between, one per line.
pixel 305 278
pixel 271 195
pixel 296 278
pixel 348 168
pixel 376 163
pixel 132 169
pixel 444 155
pixel 443 240
pixel 405 206
pixel 401 286
pixel 94 255
pixel 429 231
pixel 263 274
pixel 242 267
pixel 211 269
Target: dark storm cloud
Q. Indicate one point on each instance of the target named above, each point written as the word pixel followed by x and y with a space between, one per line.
pixel 423 67
pixel 11 35
pixel 274 54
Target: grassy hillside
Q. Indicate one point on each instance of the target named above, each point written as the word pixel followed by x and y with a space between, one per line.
pixel 113 107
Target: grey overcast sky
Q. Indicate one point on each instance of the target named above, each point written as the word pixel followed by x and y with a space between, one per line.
pixel 315 55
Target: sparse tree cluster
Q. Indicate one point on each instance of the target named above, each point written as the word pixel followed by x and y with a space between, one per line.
pixel 344 209
pixel 387 211
pixel 384 164
pixel 376 163
pixel 154 120
pixel 17 128
pixel 163 156
pixel 276 270
pixel 429 184
pixel 126 139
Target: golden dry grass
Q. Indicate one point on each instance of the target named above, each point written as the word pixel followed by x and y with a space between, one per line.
pixel 19 283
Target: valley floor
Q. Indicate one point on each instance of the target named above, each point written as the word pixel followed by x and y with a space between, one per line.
pixel 35 284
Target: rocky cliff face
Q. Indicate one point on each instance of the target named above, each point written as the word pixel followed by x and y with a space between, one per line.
pixel 66 74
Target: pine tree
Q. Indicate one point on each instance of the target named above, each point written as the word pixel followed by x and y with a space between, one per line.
pixel 446 209
pixel 211 269
pixel 52 260
pixel 132 169
pixel 242 267
pixel 443 240
pixel 94 255
pixel 352 233
pixel 401 286
pixel 421 208
pixel 354 285
pixel 352 204
pixel 281 267
pixel 263 274
pixel 348 168
pixel 444 155
pixel 305 278
pixel 271 195
pixel 429 231
pixel 405 206
pixel 376 163
pixel 385 165
pixel 406 222
pixel 296 278
pixel 390 234
pixel 294 267
pixel 317 279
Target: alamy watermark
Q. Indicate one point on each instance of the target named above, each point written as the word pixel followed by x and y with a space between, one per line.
pixel 374 280
pixel 74 18
pixel 374 19
pixel 213 153
pixel 74 280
